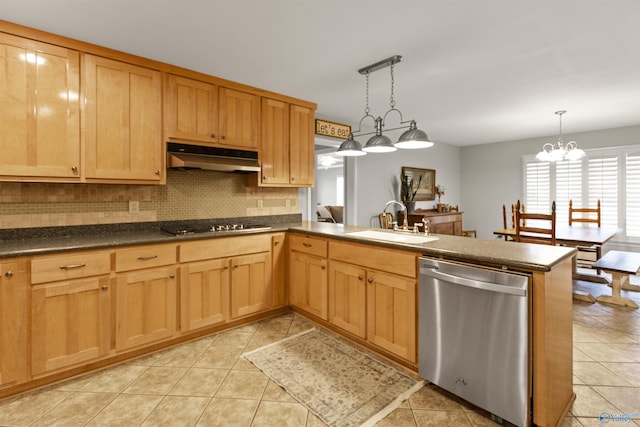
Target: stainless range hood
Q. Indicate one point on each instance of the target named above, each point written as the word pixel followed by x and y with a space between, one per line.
pixel 185 156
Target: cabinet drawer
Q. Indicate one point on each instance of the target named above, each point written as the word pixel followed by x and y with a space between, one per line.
pixel 308 245
pixel 376 257
pixel 145 257
pixel 69 266
pixel 224 247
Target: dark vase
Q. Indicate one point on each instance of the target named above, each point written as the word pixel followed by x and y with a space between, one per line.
pixel 411 207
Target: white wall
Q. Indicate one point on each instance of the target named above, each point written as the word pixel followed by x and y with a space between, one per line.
pixel 492 173
pixel 326 185
pixel 371 178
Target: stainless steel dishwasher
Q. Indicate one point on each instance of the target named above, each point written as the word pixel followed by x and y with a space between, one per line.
pixel 474 335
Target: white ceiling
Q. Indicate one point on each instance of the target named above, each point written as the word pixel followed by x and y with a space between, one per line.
pixel 473 71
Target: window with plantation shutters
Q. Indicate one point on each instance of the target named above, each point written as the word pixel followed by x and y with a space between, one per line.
pixel 633 194
pixel 603 185
pixel 611 175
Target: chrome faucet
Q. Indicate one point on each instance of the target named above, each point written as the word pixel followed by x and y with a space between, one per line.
pixel 405 225
pixel 426 223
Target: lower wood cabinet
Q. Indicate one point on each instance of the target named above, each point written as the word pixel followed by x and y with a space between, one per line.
pixel 251 290
pixel 347 297
pixel 13 322
pixel 279 269
pixel 308 275
pixel 70 323
pixel 204 293
pixel 391 313
pixel 145 306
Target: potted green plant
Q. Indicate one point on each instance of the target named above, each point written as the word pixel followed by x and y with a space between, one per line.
pixel 408 191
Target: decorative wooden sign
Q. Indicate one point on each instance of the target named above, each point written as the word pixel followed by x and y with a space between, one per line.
pixel 334 130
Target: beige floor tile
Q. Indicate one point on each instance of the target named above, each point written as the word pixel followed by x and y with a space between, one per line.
pixel 260 339
pixel 182 356
pixel 594 373
pixel 581 356
pixel 126 410
pixel 441 418
pixel 228 412
pixel 219 357
pixel 26 408
pixel 176 411
pixel 629 371
pixel 235 337
pixel 243 364
pixel 626 399
pixel 278 324
pixel 430 397
pixel 398 418
pixel 112 380
pixel 281 414
pixel 76 410
pixel 611 352
pixel 203 382
pixel 588 403
pixel 243 385
pixel 314 421
pixel 156 380
pixel 275 393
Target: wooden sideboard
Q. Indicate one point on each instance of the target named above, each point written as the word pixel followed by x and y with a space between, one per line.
pixel 441 223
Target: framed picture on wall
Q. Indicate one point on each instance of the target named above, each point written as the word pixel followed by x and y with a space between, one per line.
pixel 427 188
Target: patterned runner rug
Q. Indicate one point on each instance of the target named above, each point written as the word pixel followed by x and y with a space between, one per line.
pixel 340 384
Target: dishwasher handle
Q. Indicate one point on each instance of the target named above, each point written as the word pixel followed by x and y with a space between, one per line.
pixel 471 283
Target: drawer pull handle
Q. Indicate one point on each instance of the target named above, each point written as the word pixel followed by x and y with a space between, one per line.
pixel 72 266
pixel 307 245
pixel 9 273
pixel 235 265
pixel 105 287
pixel 147 258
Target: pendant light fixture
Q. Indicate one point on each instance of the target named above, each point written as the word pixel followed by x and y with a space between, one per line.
pixel 379 143
pixel 560 151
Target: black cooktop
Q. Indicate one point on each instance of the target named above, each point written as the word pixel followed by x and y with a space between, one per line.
pixel 184 229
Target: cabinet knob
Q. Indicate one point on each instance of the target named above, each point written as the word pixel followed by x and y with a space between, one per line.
pixel 323 267
pixel 235 265
pixel 307 245
pixel 9 273
pixel 293 178
pixel 264 177
pixel 222 137
pixel 104 287
pixel 360 277
pixel 172 276
pixel 276 243
pixel 157 172
pixel 74 169
pixel 213 135
pixel 370 280
pixel 226 267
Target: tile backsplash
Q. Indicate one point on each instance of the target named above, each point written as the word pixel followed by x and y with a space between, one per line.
pixel 193 194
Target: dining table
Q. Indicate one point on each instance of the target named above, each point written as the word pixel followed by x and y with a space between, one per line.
pixel 577 235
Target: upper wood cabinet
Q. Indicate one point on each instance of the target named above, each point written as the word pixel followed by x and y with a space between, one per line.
pixel 239 119
pixel 39 111
pixel 122 121
pixel 287 145
pixel 191 110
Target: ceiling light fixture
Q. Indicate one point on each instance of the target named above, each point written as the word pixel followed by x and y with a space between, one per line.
pixel 559 152
pixel 379 143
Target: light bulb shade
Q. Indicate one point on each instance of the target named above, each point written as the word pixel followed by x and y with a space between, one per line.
pixel 350 148
pixel 413 138
pixel 379 144
pixel 575 154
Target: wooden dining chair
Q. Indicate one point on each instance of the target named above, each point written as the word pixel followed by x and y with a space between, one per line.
pixel 386 220
pixel 536 232
pixel 587 255
pixel 505 224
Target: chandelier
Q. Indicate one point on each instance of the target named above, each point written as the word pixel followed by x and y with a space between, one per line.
pixel 380 143
pixel 560 151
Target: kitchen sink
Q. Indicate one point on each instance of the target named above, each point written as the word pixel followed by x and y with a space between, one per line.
pixel 398 237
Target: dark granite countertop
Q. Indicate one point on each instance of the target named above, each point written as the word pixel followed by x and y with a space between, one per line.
pixel 38 241
pixel 495 252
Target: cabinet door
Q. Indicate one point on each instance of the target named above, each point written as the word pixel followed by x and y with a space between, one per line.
pixel 279 269
pixel 70 323
pixel 191 110
pixel 274 144
pixel 251 287
pixel 347 302
pixel 122 116
pixel 238 119
pixel 391 313
pixel 13 323
pixel 204 292
pixel 301 142
pixel 39 110
pixel 145 307
pixel 308 284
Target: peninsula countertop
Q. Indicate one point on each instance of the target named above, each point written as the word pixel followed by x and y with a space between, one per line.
pixel 483 251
